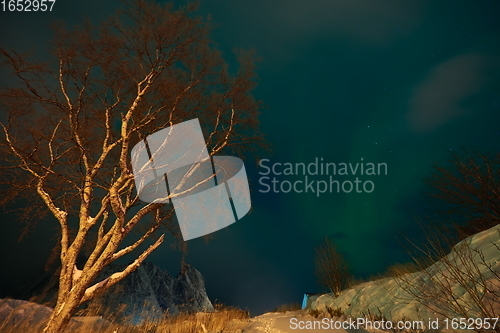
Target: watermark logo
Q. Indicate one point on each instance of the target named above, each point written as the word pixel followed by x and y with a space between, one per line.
pixel 173 166
pixel 319 177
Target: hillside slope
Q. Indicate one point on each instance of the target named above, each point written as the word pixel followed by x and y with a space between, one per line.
pixel 463 284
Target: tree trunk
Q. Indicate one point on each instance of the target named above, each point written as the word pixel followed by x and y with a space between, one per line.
pixel 61 315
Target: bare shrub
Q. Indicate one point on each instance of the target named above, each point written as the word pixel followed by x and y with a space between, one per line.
pixel 464 283
pixel 463 279
pixel 331 267
pixel 467 189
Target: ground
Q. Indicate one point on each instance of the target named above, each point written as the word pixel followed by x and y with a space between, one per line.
pixel 276 322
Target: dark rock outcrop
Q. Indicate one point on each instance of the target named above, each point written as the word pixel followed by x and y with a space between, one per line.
pixel 150 291
pixel 188 291
pixel 147 293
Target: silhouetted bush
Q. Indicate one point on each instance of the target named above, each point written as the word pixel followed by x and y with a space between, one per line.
pixel 331 267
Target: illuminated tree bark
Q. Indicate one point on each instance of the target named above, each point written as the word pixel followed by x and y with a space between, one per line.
pixel 72 122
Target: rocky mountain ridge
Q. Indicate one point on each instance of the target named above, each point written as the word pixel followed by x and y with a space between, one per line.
pixel 147 293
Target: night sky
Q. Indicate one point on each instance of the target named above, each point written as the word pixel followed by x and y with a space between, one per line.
pixel 387 81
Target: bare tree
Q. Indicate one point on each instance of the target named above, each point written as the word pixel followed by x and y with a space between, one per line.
pixel 468 190
pixel 460 279
pixel 331 267
pixel 71 123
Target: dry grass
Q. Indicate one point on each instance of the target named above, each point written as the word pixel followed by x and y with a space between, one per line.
pixel 402 269
pixel 288 307
pixel 223 319
pixel 228 320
